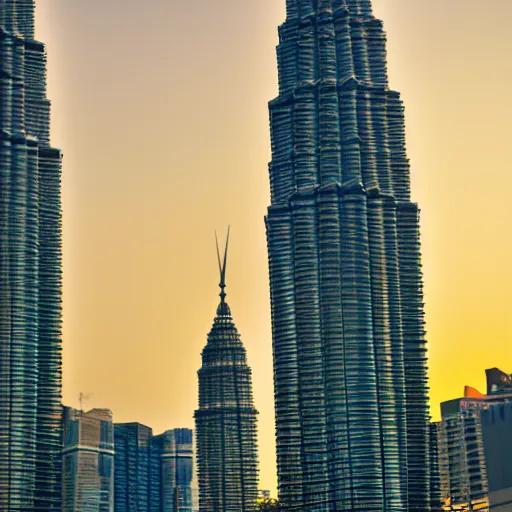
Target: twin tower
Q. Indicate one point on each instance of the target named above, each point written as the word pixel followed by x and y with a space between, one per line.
pixel 227 458
pixel 350 371
pixel 350 363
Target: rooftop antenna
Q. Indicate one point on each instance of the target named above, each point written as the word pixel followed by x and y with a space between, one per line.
pixel 222 266
pixel 82 397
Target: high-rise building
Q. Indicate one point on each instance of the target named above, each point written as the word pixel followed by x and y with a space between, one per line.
pixel 436 500
pixel 175 464
pixel 461 455
pixel 136 476
pixel 350 360
pixel 87 461
pixel 464 452
pixel 226 418
pixel 30 272
pixel 497 437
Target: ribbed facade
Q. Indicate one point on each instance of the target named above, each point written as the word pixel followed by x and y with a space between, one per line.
pixel 436 488
pixel 88 461
pixel 30 272
pixel 350 364
pixel 226 442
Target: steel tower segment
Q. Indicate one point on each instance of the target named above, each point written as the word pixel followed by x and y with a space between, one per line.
pixel 345 271
pixel 30 272
pixel 222 266
pixel 226 435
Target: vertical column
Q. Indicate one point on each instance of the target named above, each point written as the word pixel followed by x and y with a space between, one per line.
pixel 310 356
pixel 286 371
pixel 5 281
pixel 25 17
pixel 282 179
pixel 334 351
pixel 384 361
pixel 50 331
pixel 415 357
pixel 399 161
pixel 328 107
pixel 8 15
pixel 287 56
pixel 361 383
pixel 396 334
pixel 23 339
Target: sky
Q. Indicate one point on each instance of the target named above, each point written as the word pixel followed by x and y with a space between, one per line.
pixel 160 109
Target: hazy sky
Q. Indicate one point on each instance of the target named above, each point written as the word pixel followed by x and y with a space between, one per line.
pixel 160 108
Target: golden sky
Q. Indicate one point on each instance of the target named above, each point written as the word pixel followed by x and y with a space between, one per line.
pixel 160 108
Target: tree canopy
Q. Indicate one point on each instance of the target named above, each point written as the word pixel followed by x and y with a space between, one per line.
pixel 268 504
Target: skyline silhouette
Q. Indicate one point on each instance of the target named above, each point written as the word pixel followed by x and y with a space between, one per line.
pixel 155 129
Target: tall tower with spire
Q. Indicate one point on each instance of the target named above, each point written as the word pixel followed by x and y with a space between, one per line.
pixel 30 272
pixel 350 363
pixel 227 458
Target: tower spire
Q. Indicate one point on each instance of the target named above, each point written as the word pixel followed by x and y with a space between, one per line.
pixel 222 266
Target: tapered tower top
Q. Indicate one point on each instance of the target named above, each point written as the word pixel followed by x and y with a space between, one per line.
pixel 17 16
pixel 223 308
pixel 227 451
pixel 304 8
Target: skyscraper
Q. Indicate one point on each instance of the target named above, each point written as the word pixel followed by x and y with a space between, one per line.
pixel 136 478
pixel 30 272
pixel 88 461
pixel 175 461
pixel 350 369
pixel 226 418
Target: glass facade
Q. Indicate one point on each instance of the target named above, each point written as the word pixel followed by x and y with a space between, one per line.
pixel 350 363
pixel 30 272
pixel 175 456
pixel 136 478
pixel 227 459
pixel 87 461
pixel 496 432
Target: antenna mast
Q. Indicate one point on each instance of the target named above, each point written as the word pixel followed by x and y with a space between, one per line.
pixel 82 397
pixel 222 266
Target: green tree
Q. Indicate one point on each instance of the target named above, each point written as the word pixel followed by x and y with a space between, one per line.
pixel 268 504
